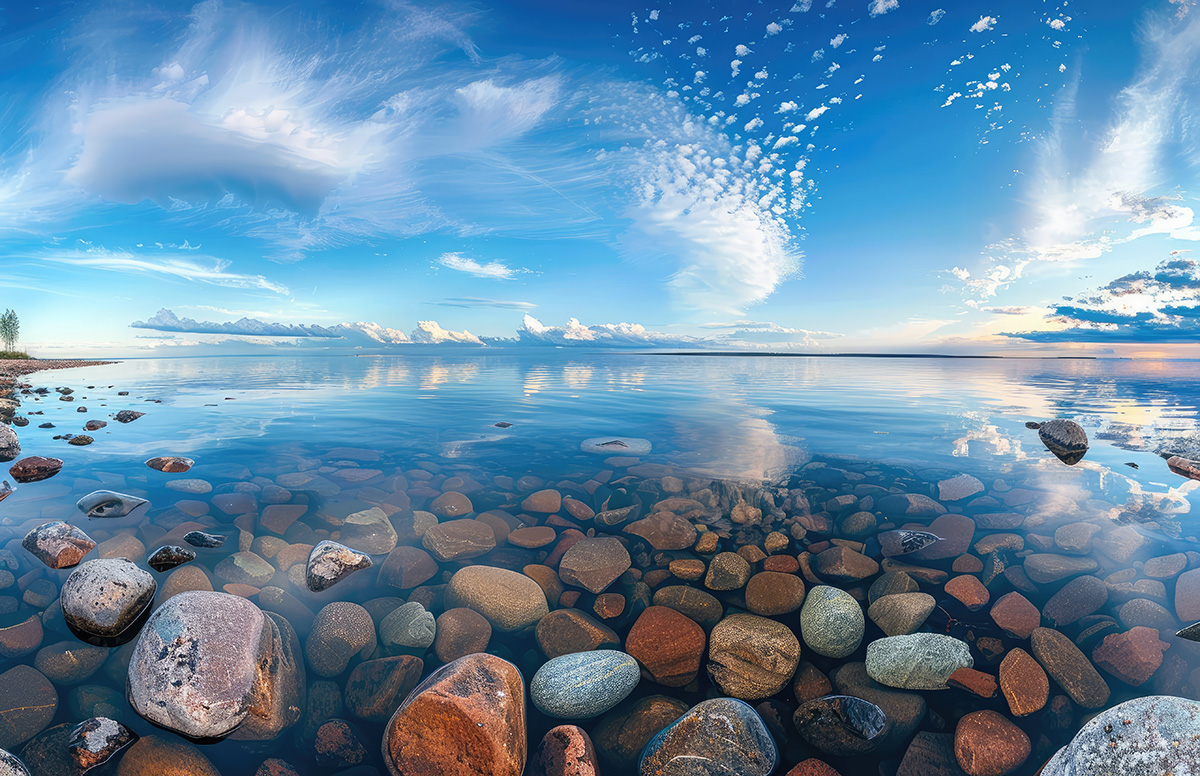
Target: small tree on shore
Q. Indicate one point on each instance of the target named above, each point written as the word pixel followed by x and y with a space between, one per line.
pixel 10 329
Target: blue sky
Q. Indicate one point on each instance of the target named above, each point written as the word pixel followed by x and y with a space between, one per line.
pixel 854 175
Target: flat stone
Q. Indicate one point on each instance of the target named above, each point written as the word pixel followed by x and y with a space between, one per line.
pixel 982 684
pixel 1151 735
pixel 369 531
pixel 771 593
pixel 171 464
pixel 696 604
pixel 532 537
pixel 910 505
pixel 1069 667
pixel 841 725
pixel 565 631
pixel 987 744
pixel 901 614
pixel 407 567
pixel 919 661
pixel 22 637
pixel 969 591
pixel 1187 595
pixel 1024 684
pixel 35 468
pixel 956 531
pixel 841 564
pixel 245 568
pixel 376 688
pixel 340 632
pixel 466 719
pixel 1015 615
pixel 1077 599
pixel 727 571
pixel 582 685
pixel 715 736
pixel 57 544
pixel 451 505
pixel 330 563
pixel 510 601
pixel 664 531
pixel 594 563
pixel 752 657
pixel 108 503
pixel 543 502
pixel 459 540
pixel 408 627
pixel 103 597
pixel 831 622
pixel 668 645
pixel 1132 656
pixel 566 750
pixel 27 704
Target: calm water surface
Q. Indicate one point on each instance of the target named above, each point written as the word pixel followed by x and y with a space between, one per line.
pixel 773 422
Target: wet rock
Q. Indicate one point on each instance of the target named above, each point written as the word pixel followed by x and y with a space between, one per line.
pixel 902 542
pixel 956 532
pixel 618 446
pixel 623 733
pixel 408 627
pixel 1077 599
pixel 330 563
pixel 1151 735
pixel 338 745
pixel 970 680
pixel 108 503
pixel 102 598
pixel 171 464
pixel 987 744
pixel 752 657
pixel 6 489
pixel 565 631
pixel 1065 438
pixel 715 736
pixel 94 425
pixel 341 631
pixel 204 540
pixel 841 725
pixel 11 766
pixel 369 531
pixel 160 756
pixel 566 750
pixel 461 632
pixel 510 601
pixel 771 593
pixel 184 579
pixel 1191 632
pixel 94 741
pixel 532 537
pixel 901 614
pixel 831 622
pixel 467 718
pixel 1069 667
pixel 1015 615
pixel 594 563
pixel 930 754
pixel 22 637
pixel 193 486
pixel 813 767
pixel 376 688
pixel 459 540
pixel 727 571
pixel 691 602
pixel 35 468
pixel 919 661
pixel 582 685
pixel 57 544
pixel 841 564
pixel 969 591
pixel 1023 682
pixel 1187 595
pixel 957 488
pixel 128 416
pixel 245 568
pixel 664 531
pixel 170 556
pixel 910 505
pixel 1045 569
pixel 27 704
pixel 69 662
pixel 667 644
pixel 1132 656
pixel 544 502
pixel 891 583
pixel 80 440
pixel 451 505
pixel 10 446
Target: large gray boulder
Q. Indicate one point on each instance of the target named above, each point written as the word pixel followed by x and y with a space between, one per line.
pixel 102 598
pixel 10 446
pixel 918 661
pixel 1148 736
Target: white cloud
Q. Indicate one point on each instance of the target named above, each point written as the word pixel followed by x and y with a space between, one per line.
pixel 201 269
pixel 838 40
pixel 475 302
pixel 430 333
pixel 753 124
pixel 1057 24
pixel 788 107
pixel 936 16
pixel 802 7
pixel 742 50
pixel 492 269
pixel 879 7
pixel 166 320
pixel 774 28
pixel 984 24
pixel 815 113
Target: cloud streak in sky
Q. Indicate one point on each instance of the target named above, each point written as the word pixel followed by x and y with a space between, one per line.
pixel 191 267
pixel 491 269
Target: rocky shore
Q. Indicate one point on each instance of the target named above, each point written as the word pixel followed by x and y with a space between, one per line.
pixel 352 610
pixel 16 367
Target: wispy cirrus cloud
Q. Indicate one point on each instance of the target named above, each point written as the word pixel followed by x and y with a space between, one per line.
pixel 476 302
pixel 201 269
pixel 487 269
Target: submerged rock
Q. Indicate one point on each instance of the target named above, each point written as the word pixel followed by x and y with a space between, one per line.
pixel 128 416
pixel 622 446
pixel 6 490
pixel 1065 438
pixel 171 464
pixel 204 540
pixel 27 704
pixel 902 542
pixel 102 598
pixel 717 736
pixel 841 725
pixel 584 684
pixel 467 718
pixel 508 600
pixel 10 446
pixel 11 766
pixel 80 440
pixel 330 563
pixel 94 741
pixel 57 544
pixel 1191 632
pixel 831 622
pixel 170 556
pixel 35 468
pixel 1158 734
pixel 918 661
pixel 108 503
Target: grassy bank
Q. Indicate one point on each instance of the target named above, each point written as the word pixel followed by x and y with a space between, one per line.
pixel 14 354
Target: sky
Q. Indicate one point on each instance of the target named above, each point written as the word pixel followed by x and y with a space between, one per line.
pixel 824 176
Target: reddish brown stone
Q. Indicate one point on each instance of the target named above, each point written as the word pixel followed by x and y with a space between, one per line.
pixel 667 644
pixel 169 464
pixel 594 563
pixel 609 605
pixel 565 631
pixel 983 685
pixel 987 744
pixel 565 751
pixel 1132 656
pixel 624 732
pixel 1023 682
pixel 21 638
pixel 771 593
pixel 545 502
pixel 547 579
pixel 688 569
pixel 450 505
pixel 664 531
pixel 969 591
pixel 407 567
pixel 967 564
pixel 35 468
pixel 784 564
pixel 1015 615
pixel 376 688
pixel 809 683
pixel 459 540
pixel 813 767
pixel 532 537
pixel 461 632
pixel 578 509
pixel 566 540
pixel 841 564
pixel 466 719
pixel 1069 667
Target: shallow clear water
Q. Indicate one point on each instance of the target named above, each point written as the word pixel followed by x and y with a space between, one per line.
pixel 758 419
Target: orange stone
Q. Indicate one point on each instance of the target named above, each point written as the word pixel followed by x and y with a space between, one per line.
pixel 969 591
pixel 1023 682
pixel 668 645
pixel 1015 615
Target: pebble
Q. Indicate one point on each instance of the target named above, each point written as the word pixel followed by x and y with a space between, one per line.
pixel 532 537
pixel 716 736
pixel 771 593
pixel 204 540
pixel 340 632
pixel 840 725
pixel 1015 615
pixel 171 464
pixel 170 556
pixel 841 564
pixel 564 631
pixel 22 637
pixel 80 440
pixel 582 685
pixel 1065 438
pixel 1187 596
pixel 566 750
pixel 35 468
pixel 451 504
pixel 459 540
pixel 1151 735
pixel 108 503
pixel 919 661
pixel 1069 667
pixel 376 688
pixel 330 563
pixel 27 704
pixel 969 591
pixel 1075 600
pixel 467 718
pixel 727 571
pixel 245 568
pixel 160 756
pixel 752 657
pixel 369 531
pixel 1024 684
pixel 664 531
pixel 461 632
pixel 901 614
pixel 987 744
pixel 977 682
pixel 94 741
pixel 696 604
pixel 69 662
pixel 1132 656
pixel 668 645
pixel 544 502
pixel 408 627
pixel 594 563
pixel 831 622
pixel 510 601
pixel 57 544
pixel 623 733
pixel 128 416
pixel 192 486
pixel 102 598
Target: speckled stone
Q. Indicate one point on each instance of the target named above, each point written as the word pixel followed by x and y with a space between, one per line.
pixel 987 744
pixel 831 622
pixel 1147 736
pixel 919 661
pixel 103 597
pixel 459 540
pixel 566 750
pixel 1077 599
pixel 161 756
pixel 376 688
pixel 369 531
pixel 901 614
pixel 27 704
pixel 752 657
pixel 11 766
pixel 408 627
pixel 1065 438
pixel 94 741
pixel 841 725
pixel 1069 667
pixel 510 601
pixel 341 631
pixel 583 684
pixel 169 556
pixel 714 737
pixel 330 563
pixel 57 544
pixel 771 593
pixel 667 644
pixel 565 631
pixel 594 563
pixel 1023 682
pixel 22 637
pixel 727 571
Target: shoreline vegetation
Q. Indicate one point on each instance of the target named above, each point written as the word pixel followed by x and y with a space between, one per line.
pixel 16 367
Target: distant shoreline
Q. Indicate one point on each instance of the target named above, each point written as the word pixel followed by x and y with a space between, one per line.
pixel 857 355
pixel 16 367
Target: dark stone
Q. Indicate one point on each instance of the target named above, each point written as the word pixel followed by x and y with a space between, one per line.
pixel 35 468
pixel 102 598
pixel 80 440
pixel 204 540
pixel 59 545
pixel 108 503
pixel 716 736
pixel 841 725
pixel 170 556
pixel 1065 438
pixel 330 563
pixel 902 542
pixel 94 741
pixel 171 464
pixel 128 416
